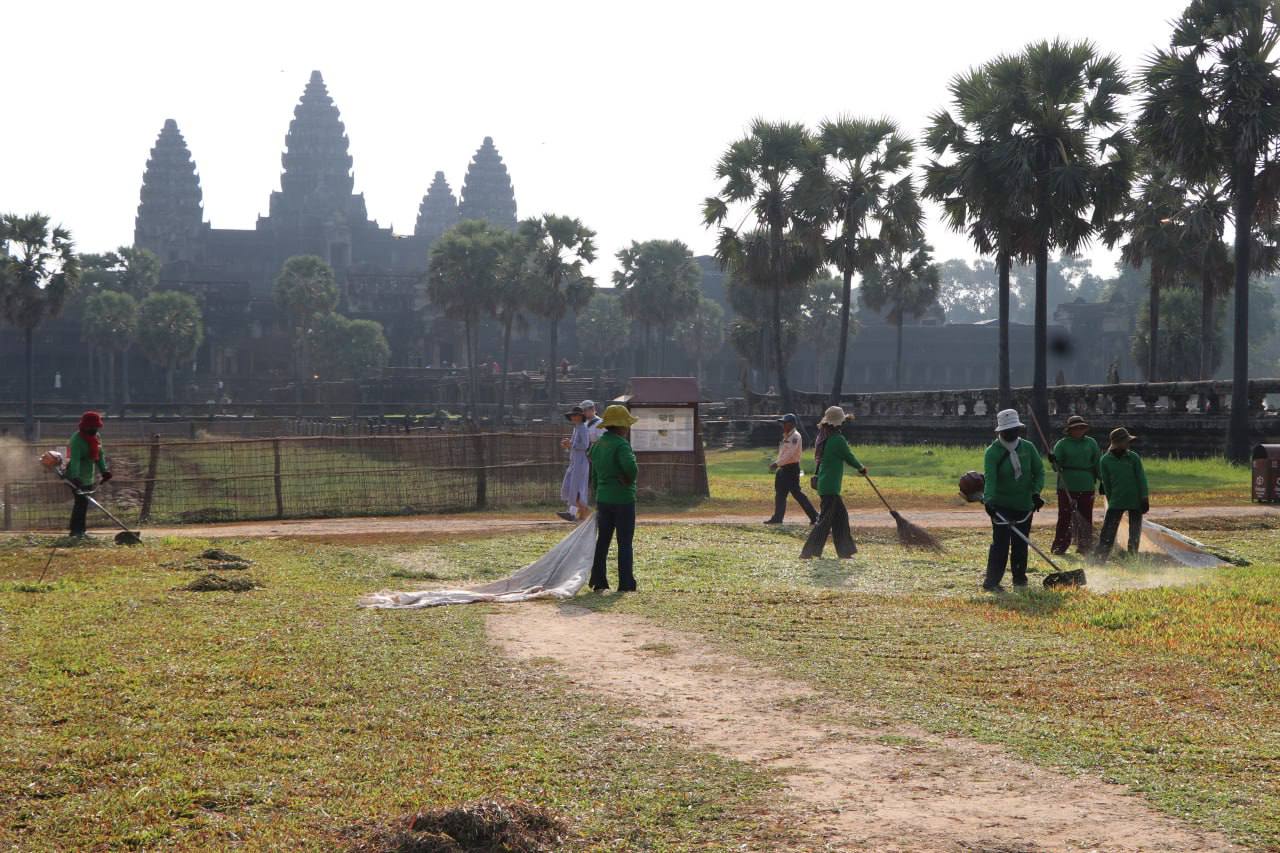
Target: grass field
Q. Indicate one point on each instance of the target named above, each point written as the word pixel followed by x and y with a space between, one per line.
pixel 135 715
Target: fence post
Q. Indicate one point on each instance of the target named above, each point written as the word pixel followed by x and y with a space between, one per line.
pixel 8 506
pixel 149 489
pixel 275 451
pixel 482 472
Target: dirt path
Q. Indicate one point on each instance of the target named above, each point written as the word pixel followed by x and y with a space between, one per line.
pixel 891 789
pixel 392 527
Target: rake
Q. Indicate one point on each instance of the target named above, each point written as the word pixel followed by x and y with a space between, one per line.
pixel 909 535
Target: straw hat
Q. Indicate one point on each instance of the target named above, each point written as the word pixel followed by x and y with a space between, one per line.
pixel 1073 422
pixel 834 416
pixel 1120 434
pixel 1007 419
pixel 618 416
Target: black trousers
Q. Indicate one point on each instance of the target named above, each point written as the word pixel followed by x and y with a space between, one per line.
pixel 833 521
pixel 78 511
pixel 610 519
pixel 786 482
pixel 1007 547
pixel 1111 526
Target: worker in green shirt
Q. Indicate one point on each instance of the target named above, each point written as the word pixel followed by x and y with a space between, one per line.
pixel 84 463
pixel 1124 482
pixel 1075 458
pixel 1013 479
pixel 832 453
pixel 614 470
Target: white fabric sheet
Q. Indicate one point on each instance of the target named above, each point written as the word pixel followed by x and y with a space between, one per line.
pixel 559 573
pixel 1184 549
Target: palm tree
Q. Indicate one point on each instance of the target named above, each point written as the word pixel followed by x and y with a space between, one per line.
pixel 1211 108
pixel 557 249
pixel 976 181
pixel 873 205
pixel 127 270
pixel 1154 221
pixel 510 304
pixel 462 280
pixel 659 283
pixel 700 333
pixel 1073 160
pixel 305 290
pixel 1205 217
pixel 905 282
pixel 39 271
pixel 170 329
pixel 110 324
pixel 776 171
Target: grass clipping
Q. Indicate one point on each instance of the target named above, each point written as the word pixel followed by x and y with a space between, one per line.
pixel 487 825
pixel 210 582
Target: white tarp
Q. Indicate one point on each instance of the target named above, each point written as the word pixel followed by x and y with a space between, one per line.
pixel 559 573
pixel 1184 549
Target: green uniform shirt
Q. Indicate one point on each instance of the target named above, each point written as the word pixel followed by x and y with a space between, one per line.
pixel 1123 480
pixel 835 455
pixel 1077 462
pixel 612 461
pixel 1001 488
pixel 80 466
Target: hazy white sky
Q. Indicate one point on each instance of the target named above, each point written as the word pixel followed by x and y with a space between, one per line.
pixel 612 112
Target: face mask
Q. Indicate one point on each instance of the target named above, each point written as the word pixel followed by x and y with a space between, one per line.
pixel 93 431
pixel 1009 435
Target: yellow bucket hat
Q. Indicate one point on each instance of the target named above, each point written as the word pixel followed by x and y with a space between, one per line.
pixel 618 416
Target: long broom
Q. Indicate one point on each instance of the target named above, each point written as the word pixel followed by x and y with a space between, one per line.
pixel 1079 527
pixel 909 535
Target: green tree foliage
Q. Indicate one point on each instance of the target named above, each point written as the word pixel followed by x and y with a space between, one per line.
pixel 700 332
pixel 126 270
pixel 603 328
pixel 110 323
pixel 462 281
pixel 305 290
pixel 872 204
pixel 170 330
pixel 39 272
pixel 658 281
pixel 556 250
pixel 1180 342
pixel 906 283
pixel 751 329
pixel 348 349
pixel 1211 109
pixel 510 305
pixel 776 173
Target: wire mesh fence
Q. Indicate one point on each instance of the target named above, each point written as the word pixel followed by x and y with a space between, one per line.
pixel 168 480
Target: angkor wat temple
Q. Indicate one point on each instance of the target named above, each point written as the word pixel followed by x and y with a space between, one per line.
pixel 315 212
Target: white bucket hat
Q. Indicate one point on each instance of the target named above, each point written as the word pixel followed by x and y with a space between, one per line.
pixel 835 416
pixel 1007 419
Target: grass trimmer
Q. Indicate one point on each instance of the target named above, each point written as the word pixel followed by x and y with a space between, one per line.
pixel 971 487
pixel 909 535
pixel 125 536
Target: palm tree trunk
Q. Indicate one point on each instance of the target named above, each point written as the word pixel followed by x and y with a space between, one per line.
pixel 1238 428
pixel 29 417
pixel 168 381
pixel 1206 322
pixel 662 351
pixel 471 368
pixel 842 346
pixel 1153 312
pixel 897 369
pixel 124 379
pixel 554 337
pixel 506 358
pixel 111 377
pixel 1003 263
pixel 783 388
pixel 1040 379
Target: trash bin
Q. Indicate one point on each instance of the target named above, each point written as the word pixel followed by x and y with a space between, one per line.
pixel 1266 471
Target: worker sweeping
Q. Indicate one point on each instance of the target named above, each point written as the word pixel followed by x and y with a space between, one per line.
pixel 614 470
pixel 1124 482
pixel 786 473
pixel 86 459
pixel 1075 457
pixel 833 453
pixel 1013 479
pixel 573 489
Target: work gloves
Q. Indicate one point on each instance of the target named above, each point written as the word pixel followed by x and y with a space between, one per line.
pixel 1053 460
pixel 991 511
pixel 1146 506
pixel 106 475
pixel 813 483
pixel 77 485
pixel 1037 503
pixel 863 470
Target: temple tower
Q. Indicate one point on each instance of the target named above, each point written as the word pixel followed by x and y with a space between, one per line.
pixel 170 218
pixel 315 196
pixel 486 192
pixel 438 211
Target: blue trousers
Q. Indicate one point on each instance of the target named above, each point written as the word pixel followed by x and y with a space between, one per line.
pixel 610 519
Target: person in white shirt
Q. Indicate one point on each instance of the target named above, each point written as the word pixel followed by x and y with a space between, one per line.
pixel 786 478
pixel 595 426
